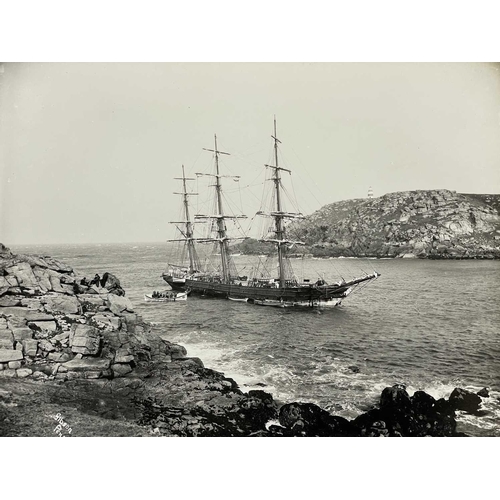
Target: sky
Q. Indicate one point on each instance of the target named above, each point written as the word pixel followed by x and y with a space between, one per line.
pixel 88 151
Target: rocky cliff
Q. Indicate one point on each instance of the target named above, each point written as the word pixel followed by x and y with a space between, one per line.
pixel 424 224
pixel 76 360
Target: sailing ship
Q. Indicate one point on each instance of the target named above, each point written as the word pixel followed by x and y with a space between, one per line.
pixel 281 290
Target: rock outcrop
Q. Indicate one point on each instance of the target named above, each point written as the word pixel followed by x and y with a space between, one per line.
pixel 437 224
pixel 81 353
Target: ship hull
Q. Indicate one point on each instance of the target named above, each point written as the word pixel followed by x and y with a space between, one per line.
pixel 288 294
pixel 177 284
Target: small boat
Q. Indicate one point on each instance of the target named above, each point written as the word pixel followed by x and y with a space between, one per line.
pixel 168 296
pixel 238 300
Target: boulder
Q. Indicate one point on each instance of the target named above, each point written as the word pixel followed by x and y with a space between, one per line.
pixel 46 346
pixel 24 275
pixel 121 369
pixel 119 304
pixel 9 300
pixel 422 402
pixel 62 304
pixel 6 339
pixel 59 357
pixel 461 399
pixel 307 419
pixel 26 314
pixel 484 393
pixel 30 347
pixel 14 365
pixel 7 355
pixel 87 364
pixel 43 278
pixel 123 356
pixel 395 397
pixel 23 372
pixel 112 283
pixel 191 363
pixel 85 339
pixel 107 321
pixel 21 334
pixel 44 326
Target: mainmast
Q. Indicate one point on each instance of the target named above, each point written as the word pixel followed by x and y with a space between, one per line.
pixel 278 217
pixel 222 237
pixel 189 229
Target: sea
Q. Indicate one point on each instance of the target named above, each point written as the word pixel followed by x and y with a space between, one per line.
pixel 431 325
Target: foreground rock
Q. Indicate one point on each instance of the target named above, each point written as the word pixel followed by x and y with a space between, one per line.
pixel 80 353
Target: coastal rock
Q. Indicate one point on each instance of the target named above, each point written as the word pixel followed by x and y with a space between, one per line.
pixel 61 304
pixel 425 224
pixel 23 372
pixel 9 300
pixel 121 369
pixel 44 326
pixel 6 339
pixel 395 397
pixel 119 305
pixel 85 339
pixel 307 419
pixel 8 373
pixel 87 364
pixel 21 334
pixel 30 347
pixel 112 283
pixel 123 356
pixel 106 321
pixel 46 346
pixel 484 393
pixel 59 357
pixel 7 355
pixel 461 399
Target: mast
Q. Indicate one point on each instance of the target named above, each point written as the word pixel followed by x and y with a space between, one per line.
pixel 189 229
pixel 189 225
pixel 221 224
pixel 278 217
pixel 222 237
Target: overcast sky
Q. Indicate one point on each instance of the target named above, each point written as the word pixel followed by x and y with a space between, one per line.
pixel 88 151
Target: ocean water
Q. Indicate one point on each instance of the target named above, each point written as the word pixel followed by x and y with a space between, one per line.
pixel 431 325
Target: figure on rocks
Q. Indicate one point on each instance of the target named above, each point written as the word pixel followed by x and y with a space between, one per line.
pixel 96 281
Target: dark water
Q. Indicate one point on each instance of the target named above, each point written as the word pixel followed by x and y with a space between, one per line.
pixel 432 325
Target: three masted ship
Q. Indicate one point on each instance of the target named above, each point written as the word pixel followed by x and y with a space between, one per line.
pixel 281 290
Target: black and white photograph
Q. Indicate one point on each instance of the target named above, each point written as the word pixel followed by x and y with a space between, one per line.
pixel 231 248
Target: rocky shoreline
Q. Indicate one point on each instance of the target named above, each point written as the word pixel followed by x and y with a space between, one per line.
pixel 76 360
pixel 434 224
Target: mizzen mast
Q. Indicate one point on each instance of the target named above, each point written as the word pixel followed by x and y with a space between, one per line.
pixel 279 215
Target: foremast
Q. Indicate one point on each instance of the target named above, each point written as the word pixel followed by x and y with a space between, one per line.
pixel 188 232
pixel 220 217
